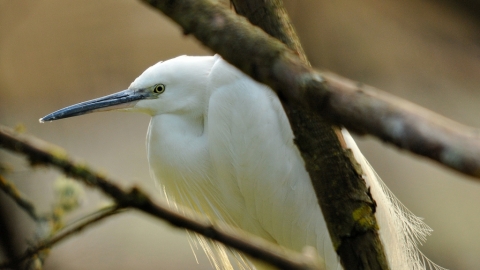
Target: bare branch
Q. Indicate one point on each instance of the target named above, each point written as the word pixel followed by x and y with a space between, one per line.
pixel 10 189
pixel 360 108
pixel 254 246
pixel 33 251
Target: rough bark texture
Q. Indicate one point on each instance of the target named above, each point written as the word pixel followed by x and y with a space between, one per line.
pixel 340 189
pixel 272 17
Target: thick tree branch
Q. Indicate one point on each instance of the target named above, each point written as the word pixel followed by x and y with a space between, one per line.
pixel 271 16
pixel 360 108
pixel 357 243
pixel 40 153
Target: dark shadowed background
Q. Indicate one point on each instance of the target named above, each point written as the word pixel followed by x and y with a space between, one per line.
pixel 56 53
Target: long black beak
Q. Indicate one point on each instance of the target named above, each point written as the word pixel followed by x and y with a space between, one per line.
pixel 122 99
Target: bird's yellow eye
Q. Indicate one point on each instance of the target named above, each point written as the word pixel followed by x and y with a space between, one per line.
pixel 159 88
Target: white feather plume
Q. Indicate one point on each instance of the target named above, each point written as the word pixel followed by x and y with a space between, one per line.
pixel 400 230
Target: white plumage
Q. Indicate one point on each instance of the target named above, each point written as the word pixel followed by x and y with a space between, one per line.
pixel 230 155
pixel 221 144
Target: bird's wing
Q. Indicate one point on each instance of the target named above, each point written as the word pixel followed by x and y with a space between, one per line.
pixel 251 147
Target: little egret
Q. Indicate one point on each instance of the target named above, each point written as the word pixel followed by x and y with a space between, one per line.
pixel 221 144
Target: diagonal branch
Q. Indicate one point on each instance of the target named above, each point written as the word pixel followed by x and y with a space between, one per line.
pixel 254 246
pixel 360 108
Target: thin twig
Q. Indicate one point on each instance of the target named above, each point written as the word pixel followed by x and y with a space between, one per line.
pixel 135 198
pixel 91 216
pixel 10 189
pixel 359 108
pixel 60 237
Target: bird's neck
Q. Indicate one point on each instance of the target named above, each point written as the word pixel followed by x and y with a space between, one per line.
pixel 172 136
pixel 178 126
pixel 179 158
pixel 174 142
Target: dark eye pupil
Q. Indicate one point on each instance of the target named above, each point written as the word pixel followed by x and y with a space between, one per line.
pixel 159 88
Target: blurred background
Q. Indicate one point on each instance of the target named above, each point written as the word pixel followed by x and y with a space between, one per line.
pixel 55 53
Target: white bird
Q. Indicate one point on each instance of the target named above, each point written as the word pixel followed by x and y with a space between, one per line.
pixel 221 144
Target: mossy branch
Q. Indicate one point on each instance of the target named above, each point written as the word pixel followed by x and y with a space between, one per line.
pixel 357 243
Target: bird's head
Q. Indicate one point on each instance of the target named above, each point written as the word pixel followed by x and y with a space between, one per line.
pixel 174 86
